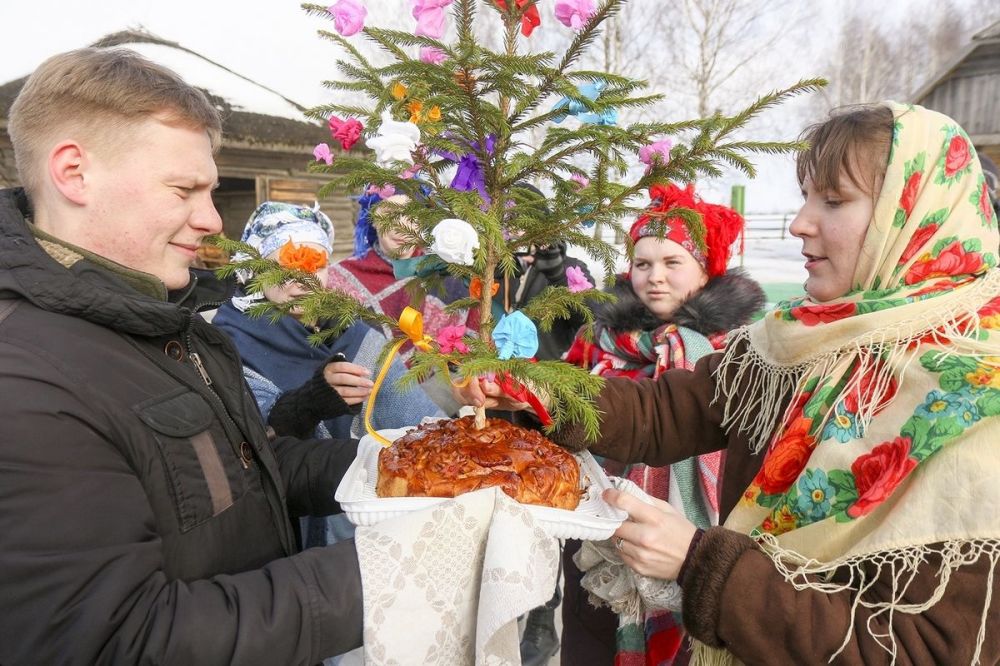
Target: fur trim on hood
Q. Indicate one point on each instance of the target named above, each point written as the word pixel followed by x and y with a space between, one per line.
pixel 724 303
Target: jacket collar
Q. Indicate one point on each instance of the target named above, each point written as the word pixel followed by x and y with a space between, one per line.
pixel 62 278
pixel 724 303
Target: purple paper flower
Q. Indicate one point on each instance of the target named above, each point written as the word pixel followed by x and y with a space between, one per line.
pixel 348 16
pixel 469 175
pixel 580 180
pixel 322 153
pixel 430 17
pixel 574 13
pixel 432 55
pixel 656 152
pixel 576 280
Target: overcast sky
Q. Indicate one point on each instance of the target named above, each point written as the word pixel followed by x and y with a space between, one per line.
pixel 274 42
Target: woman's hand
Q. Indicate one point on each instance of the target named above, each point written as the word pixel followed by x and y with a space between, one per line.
pixel 482 392
pixel 654 540
pixel 349 380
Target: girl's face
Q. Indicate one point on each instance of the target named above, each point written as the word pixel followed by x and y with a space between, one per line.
pixel 664 275
pixel 832 226
pixel 393 241
pixel 291 290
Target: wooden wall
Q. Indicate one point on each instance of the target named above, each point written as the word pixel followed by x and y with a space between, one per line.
pixel 970 94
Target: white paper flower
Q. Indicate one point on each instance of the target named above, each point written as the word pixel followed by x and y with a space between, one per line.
pixel 394 142
pixel 454 241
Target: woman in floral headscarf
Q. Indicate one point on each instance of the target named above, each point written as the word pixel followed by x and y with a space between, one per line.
pixel 860 500
pixel 674 305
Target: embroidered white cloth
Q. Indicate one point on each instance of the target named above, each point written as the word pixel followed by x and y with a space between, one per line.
pixel 610 582
pixel 446 585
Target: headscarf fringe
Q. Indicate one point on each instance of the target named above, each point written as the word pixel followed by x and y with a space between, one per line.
pixel 805 573
pixel 864 571
pixel 881 355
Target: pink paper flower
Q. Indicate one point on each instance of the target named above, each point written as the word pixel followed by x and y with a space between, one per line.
pixel 576 280
pixel 322 153
pixel 430 17
pixel 450 339
pixel 347 132
pixel 384 191
pixel 432 55
pixel 574 13
pixel 580 180
pixel 656 152
pixel 348 16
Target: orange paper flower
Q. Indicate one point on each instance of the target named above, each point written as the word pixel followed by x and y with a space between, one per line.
pixel 301 257
pixel 476 288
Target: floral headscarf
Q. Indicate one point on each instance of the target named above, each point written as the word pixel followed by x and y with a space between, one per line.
pixel 895 385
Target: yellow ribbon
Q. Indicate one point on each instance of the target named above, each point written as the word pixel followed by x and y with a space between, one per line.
pixel 411 323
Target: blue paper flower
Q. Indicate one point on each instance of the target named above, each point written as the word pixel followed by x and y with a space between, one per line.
pixel 515 336
pixel 576 108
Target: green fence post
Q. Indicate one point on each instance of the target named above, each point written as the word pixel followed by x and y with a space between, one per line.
pixel 736 199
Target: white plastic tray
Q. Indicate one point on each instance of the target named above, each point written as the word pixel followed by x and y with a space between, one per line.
pixel 592 520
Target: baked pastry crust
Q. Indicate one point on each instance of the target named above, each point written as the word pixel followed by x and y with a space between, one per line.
pixel 450 457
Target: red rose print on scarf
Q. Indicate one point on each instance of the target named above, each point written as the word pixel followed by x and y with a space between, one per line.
pixel 959 156
pixel 985 205
pixel 917 241
pixel 909 196
pixel 811 315
pixel 878 473
pixel 953 260
pixel 865 391
pixel 787 458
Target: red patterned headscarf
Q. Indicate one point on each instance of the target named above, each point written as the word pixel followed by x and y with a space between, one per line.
pixel 709 240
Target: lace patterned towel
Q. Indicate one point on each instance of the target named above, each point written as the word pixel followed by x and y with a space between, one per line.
pixel 446 585
pixel 611 583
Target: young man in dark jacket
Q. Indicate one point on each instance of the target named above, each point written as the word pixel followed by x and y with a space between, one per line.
pixel 144 513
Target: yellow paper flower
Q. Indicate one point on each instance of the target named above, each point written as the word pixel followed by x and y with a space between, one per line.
pixel 416 111
pixel 399 90
pixel 434 115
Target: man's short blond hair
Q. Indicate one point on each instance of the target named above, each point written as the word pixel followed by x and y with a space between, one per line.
pixel 97 94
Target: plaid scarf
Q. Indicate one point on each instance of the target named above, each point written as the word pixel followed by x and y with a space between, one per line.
pixel 657 637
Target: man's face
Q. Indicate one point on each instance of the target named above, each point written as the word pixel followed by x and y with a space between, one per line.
pixel 151 200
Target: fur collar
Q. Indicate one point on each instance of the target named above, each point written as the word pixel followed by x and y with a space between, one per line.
pixel 724 303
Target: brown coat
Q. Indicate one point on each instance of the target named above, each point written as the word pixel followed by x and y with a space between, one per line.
pixel 734 597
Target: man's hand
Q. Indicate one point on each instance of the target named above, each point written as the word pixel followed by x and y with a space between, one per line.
pixel 350 380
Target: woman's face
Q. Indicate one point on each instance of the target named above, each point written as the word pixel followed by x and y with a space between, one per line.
pixel 832 226
pixel 392 241
pixel 664 275
pixel 291 290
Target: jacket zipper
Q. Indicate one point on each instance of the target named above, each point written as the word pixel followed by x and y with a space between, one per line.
pixel 200 367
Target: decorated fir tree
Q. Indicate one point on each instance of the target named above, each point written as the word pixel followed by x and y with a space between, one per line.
pixel 455 126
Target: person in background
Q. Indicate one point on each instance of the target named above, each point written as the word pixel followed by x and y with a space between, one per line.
pixel 304 389
pixel 859 499
pixel 541 267
pixel 370 275
pixel 145 510
pixel 674 305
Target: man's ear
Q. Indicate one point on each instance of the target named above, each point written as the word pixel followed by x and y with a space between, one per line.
pixel 67 163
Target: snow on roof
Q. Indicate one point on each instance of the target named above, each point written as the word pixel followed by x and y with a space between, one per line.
pixel 242 93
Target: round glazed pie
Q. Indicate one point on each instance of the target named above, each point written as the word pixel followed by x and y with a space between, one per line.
pixel 448 458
